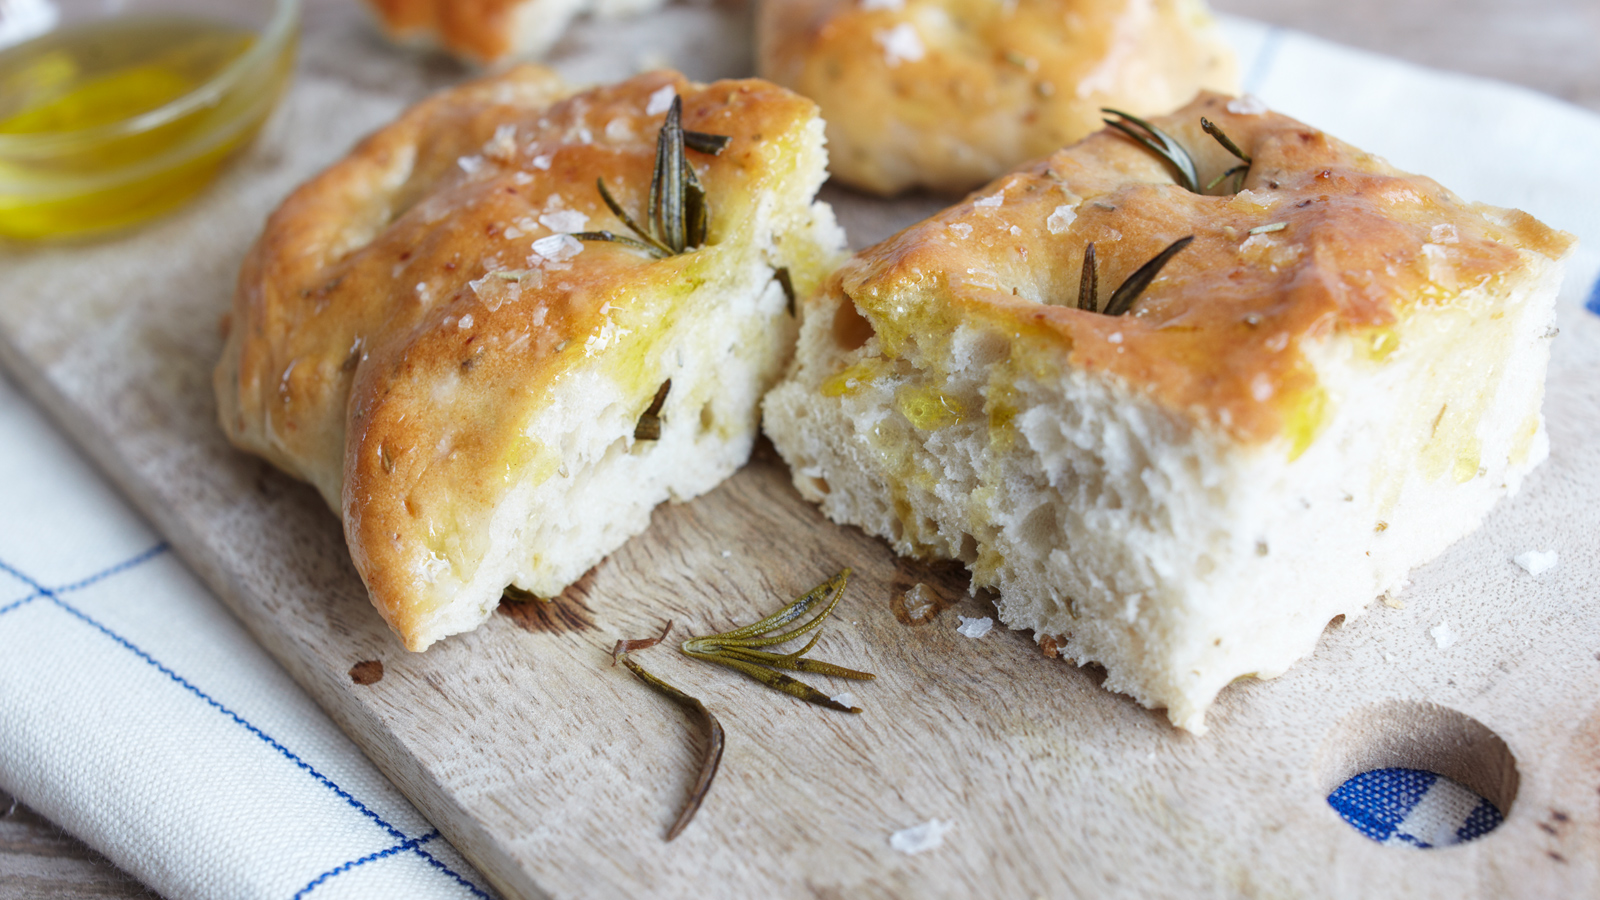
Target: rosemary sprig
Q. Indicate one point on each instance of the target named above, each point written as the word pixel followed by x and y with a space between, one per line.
pixel 676 213
pixel 1122 299
pixel 740 649
pixel 1238 171
pixel 648 428
pixel 1173 153
pixel 1160 143
pixel 715 738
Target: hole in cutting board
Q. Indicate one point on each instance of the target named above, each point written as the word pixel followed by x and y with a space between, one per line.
pixel 1418 774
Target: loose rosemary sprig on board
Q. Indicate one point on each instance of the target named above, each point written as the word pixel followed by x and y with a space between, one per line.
pixel 1122 299
pixel 1173 153
pixel 715 737
pixel 740 649
pixel 677 213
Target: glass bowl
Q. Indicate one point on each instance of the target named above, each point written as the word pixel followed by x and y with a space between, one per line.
pixel 113 111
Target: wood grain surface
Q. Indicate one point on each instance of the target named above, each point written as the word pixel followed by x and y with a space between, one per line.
pixel 536 690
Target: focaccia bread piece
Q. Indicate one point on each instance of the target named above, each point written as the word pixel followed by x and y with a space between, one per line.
pixel 474 390
pixel 948 94
pixel 1335 380
pixel 484 32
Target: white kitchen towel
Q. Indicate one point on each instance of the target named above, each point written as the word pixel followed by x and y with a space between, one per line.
pixel 136 713
pixel 139 715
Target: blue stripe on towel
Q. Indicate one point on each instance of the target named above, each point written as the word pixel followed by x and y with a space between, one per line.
pixel 406 844
pixel 1593 305
pixel 344 867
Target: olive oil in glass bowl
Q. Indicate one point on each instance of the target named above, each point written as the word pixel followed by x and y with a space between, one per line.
pixel 107 120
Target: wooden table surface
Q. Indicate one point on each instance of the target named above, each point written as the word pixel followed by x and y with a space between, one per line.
pixel 1548 45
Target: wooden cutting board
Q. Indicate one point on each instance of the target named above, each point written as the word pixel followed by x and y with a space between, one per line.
pixel 557 774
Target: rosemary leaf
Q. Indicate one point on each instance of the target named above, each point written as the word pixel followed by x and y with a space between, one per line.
pixel 1227 143
pixel 1123 298
pixel 710 144
pixel 623 239
pixel 1160 143
pixel 778 681
pixel 1238 172
pixel 1089 282
pixel 648 428
pixel 715 737
pixel 667 184
pixel 782 617
pixel 784 281
pixel 616 210
pixel 794 662
pixel 739 649
pixel 696 215
pixel 1268 229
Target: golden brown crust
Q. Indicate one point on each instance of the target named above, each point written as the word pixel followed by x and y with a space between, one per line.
pixel 480 30
pixel 1217 336
pixel 947 94
pixel 374 352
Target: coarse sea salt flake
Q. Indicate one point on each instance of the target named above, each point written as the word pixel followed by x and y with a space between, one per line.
pixel 975 628
pixel 557 247
pixel 1537 562
pixel 1443 635
pixel 1061 219
pixel 1248 105
pixel 660 101
pixel 844 699
pixel 564 220
pixel 917 838
pixel 900 44
pixel 991 201
pixel 504 143
pixel 469 164
pixel 962 230
pixel 542 161
pixel 920 602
